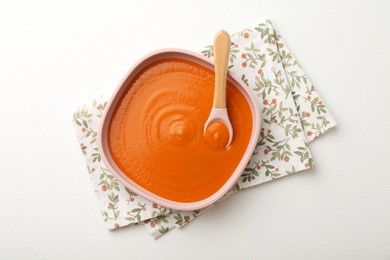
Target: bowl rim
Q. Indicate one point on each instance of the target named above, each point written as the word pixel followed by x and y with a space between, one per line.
pixel 111 104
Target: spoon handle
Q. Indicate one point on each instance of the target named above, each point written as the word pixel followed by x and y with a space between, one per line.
pixel 221 60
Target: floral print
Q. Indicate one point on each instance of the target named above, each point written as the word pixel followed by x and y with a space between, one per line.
pixel 292 112
pixel 119 206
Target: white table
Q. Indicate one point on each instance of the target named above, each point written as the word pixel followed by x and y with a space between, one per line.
pixel 55 55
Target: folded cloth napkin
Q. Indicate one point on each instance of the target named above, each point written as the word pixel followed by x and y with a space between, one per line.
pixel 293 114
pixel 119 206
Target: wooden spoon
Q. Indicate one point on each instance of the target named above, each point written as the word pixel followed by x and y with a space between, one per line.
pixel 221 60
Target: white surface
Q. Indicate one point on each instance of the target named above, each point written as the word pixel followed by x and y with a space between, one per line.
pixel 55 55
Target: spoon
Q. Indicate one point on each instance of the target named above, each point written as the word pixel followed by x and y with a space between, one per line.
pixel 221 59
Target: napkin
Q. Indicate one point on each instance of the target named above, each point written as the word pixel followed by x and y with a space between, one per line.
pixel 293 114
pixel 119 206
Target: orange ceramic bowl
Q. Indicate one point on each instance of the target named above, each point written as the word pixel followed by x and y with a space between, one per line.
pixel 118 172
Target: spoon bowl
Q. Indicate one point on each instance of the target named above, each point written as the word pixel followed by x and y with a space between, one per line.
pixel 220 114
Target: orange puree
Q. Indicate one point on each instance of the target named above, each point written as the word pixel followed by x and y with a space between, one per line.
pixel 156 134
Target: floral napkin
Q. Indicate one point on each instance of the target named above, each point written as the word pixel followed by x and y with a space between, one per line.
pixel 119 206
pixel 293 114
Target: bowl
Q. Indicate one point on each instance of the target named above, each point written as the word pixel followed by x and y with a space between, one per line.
pixel 141 191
